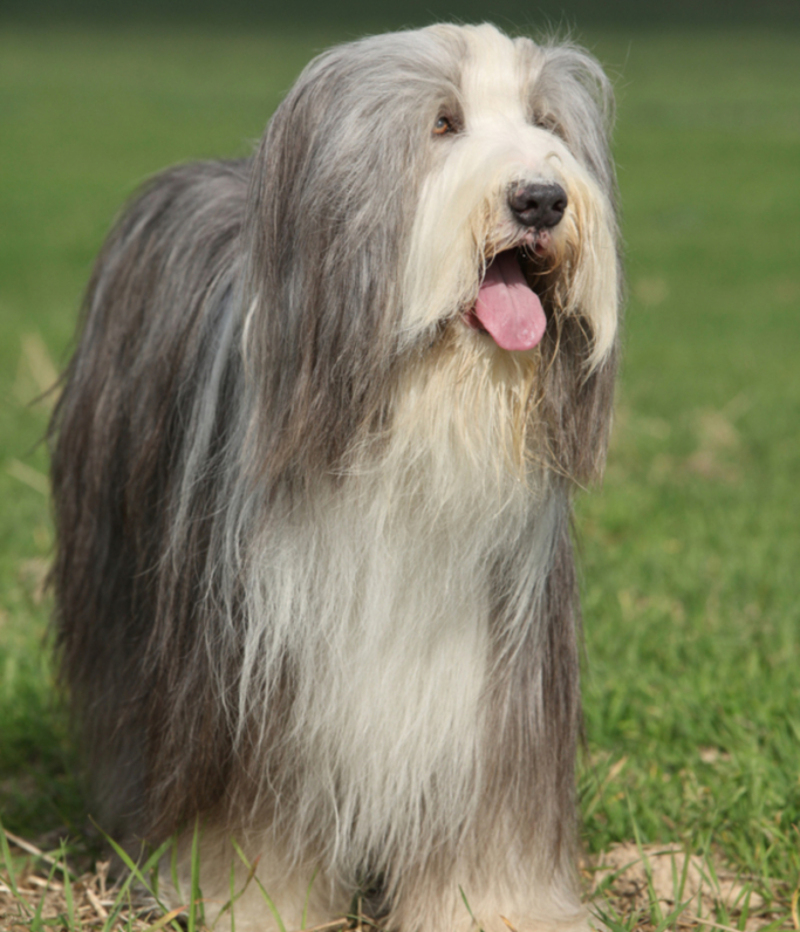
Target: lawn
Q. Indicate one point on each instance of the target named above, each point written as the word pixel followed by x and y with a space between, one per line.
pixel 691 548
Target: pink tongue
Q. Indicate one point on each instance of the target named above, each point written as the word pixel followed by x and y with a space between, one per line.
pixel 506 306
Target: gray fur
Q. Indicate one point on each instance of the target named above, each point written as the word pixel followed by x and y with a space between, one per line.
pixel 228 476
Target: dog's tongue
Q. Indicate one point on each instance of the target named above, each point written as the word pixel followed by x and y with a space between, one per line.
pixel 506 306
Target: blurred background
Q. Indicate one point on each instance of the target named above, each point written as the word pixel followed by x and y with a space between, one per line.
pixel 690 550
pixel 369 15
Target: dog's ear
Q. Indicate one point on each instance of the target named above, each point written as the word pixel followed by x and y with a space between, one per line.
pixel 573 97
pixel 576 408
pixel 332 193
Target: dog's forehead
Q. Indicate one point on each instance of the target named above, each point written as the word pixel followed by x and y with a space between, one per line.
pixel 496 75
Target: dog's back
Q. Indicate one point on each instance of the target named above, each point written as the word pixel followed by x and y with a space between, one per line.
pixel 155 311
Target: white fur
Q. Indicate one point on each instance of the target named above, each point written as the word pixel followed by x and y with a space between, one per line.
pixel 463 218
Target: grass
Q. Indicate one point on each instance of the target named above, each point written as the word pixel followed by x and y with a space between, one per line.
pixel 690 552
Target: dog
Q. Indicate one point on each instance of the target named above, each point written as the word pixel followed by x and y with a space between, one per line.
pixel 313 465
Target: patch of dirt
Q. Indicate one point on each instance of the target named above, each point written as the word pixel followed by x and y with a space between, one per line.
pixel 631 881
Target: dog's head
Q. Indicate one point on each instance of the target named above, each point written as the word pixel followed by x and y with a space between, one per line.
pixel 435 201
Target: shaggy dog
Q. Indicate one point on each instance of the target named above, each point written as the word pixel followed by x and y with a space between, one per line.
pixel 313 465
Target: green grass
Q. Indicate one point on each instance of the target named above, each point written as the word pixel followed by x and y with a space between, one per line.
pixel 690 551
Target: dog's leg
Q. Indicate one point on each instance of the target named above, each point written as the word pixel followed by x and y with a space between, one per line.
pixel 494 877
pixel 499 888
pixel 299 893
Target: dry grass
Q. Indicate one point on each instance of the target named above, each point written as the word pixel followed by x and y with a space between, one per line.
pixel 658 887
pixel 631 887
pixel 39 890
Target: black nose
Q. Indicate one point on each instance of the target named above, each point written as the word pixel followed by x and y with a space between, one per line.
pixel 538 205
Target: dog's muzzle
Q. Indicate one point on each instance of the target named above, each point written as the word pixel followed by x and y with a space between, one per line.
pixel 538 206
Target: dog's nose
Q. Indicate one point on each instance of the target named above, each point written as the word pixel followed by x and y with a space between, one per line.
pixel 538 205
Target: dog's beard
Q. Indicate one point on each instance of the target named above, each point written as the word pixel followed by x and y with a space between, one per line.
pixel 468 396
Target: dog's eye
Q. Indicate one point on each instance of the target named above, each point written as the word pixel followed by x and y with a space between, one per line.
pixel 548 122
pixel 443 126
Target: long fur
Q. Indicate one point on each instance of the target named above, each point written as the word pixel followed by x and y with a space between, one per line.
pixel 314 579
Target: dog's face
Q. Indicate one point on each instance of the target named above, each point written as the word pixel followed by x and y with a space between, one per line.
pixel 449 187
pixel 512 172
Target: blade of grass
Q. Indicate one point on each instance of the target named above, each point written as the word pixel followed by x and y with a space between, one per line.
pixel 720 905
pixel 469 908
pixel 234 896
pixel 117 906
pixel 73 917
pixel 130 911
pixel 615 922
pixel 681 886
pixel 135 873
pixel 267 898
pixel 37 922
pixel 656 913
pixel 304 916
pixel 745 909
pixel 678 886
pixel 173 868
pixel 613 772
pixel 672 917
pixel 196 901
pixel 155 877
pixel 12 878
pixel 28 848
pixel 607 882
pixel 166 919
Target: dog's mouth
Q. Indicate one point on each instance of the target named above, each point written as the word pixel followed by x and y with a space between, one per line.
pixel 507 307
